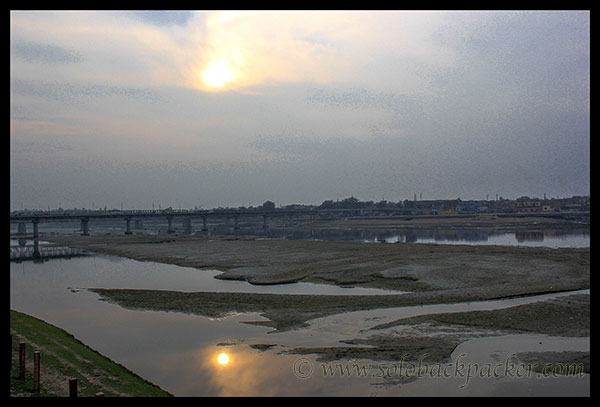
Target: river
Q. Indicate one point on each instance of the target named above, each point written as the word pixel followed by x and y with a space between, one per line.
pixel 183 353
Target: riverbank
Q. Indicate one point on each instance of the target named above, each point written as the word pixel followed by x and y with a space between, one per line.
pixel 62 357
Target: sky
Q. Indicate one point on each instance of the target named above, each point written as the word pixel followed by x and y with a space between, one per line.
pixel 136 109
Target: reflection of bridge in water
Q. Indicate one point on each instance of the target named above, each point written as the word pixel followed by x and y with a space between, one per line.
pixel 41 253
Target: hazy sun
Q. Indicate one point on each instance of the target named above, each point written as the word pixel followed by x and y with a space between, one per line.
pixel 217 74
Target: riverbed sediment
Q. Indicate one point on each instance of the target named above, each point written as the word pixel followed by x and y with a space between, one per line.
pixel 456 272
pixel 421 273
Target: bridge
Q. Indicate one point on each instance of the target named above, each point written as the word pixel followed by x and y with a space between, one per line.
pixel 186 216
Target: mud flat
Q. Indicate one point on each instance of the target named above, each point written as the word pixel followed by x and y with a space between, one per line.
pixel 436 335
pixel 425 273
pixel 454 272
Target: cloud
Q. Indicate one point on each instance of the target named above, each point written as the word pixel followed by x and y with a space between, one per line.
pixel 344 103
pixel 111 49
pixel 44 53
pixel 162 17
pixel 77 92
pixel 302 148
pixel 385 50
pixel 354 98
pixel 378 49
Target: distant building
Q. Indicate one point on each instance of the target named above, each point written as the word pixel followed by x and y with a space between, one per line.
pixel 576 203
pixel 526 204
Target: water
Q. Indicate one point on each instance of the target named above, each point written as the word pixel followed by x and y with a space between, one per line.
pixel 547 238
pixel 179 352
pixel 39 251
pixel 116 272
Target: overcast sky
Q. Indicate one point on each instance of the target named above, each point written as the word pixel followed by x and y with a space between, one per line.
pixel 213 109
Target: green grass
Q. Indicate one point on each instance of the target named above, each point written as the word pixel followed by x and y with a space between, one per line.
pixel 62 357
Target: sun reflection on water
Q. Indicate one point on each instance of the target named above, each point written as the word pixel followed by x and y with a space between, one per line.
pixel 239 370
pixel 223 359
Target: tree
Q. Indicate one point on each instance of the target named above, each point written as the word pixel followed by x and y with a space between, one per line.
pixel 329 204
pixel 268 205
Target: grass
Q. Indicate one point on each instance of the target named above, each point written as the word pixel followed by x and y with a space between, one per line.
pixel 62 357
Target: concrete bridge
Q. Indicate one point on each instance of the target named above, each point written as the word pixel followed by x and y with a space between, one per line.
pixel 186 216
pixel 85 217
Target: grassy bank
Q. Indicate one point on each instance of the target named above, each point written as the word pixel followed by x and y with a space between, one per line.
pixel 63 357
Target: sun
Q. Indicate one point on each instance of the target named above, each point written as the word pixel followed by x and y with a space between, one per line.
pixel 223 358
pixel 217 74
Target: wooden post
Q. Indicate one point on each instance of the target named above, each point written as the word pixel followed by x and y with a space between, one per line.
pixel 22 360
pixel 73 387
pixel 36 372
pixel 10 351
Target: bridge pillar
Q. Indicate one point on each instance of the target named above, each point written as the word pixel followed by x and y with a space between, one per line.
pixel 170 228
pixel 204 224
pixel 128 226
pixel 85 229
pixel 265 222
pixel 236 222
pixel 187 225
pixel 22 228
pixel 36 232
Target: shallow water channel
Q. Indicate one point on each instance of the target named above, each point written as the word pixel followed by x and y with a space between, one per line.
pixel 183 353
